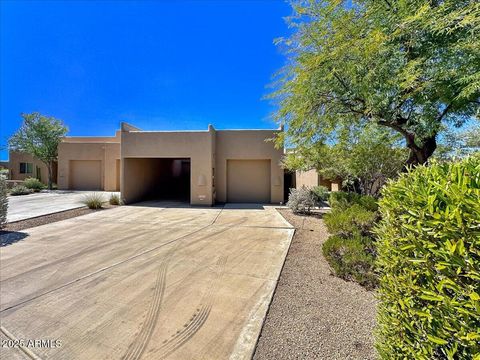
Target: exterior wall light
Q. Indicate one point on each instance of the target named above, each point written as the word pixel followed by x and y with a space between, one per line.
pixel 202 181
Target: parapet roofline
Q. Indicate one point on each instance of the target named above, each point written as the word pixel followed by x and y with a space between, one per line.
pixel 126 127
pixel 169 131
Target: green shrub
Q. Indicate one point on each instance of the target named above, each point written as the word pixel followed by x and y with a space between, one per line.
pixel 429 263
pixel 321 193
pixel 342 199
pixel 20 190
pixel 93 201
pixel 350 221
pixel 115 199
pixel 301 200
pixel 3 201
pixel 352 259
pixel 34 184
pixel 4 173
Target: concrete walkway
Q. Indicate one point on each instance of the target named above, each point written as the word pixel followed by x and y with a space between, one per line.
pixel 144 282
pixel 43 203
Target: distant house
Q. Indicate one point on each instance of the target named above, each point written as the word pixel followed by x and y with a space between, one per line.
pixel 311 178
pixel 23 165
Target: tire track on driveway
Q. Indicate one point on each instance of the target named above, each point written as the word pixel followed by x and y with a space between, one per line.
pixel 198 319
pixel 139 344
pixel 110 266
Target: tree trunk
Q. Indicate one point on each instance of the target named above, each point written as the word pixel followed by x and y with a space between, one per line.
pixel 419 154
pixel 50 173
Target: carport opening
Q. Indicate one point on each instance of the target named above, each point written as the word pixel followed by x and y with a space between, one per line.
pixel 157 179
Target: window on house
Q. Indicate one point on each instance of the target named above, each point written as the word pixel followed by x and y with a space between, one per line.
pixel 26 168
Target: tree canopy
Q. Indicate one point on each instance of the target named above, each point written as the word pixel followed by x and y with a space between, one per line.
pixel 39 136
pixel 364 159
pixel 412 66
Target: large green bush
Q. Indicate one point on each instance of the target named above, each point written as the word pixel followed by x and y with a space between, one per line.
pixel 3 201
pixel 352 258
pixel 350 250
pixel 350 221
pixel 343 199
pixel 34 184
pixel 321 193
pixel 429 263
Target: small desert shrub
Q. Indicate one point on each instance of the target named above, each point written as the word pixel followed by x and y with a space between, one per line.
pixel 321 193
pixel 352 258
pixel 3 201
pixel 301 200
pixel 5 173
pixel 33 184
pixel 342 199
pixel 93 201
pixel 115 199
pixel 20 190
pixel 353 220
pixel 429 263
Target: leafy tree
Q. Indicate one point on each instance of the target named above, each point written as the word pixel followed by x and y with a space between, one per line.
pixel 411 66
pixel 39 136
pixel 364 158
pixel 459 144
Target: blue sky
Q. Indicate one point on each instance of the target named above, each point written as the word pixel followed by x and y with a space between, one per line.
pixel 160 65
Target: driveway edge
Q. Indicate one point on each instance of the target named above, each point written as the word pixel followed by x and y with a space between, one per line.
pixel 250 334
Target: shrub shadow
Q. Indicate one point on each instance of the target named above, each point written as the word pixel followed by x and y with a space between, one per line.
pixel 11 237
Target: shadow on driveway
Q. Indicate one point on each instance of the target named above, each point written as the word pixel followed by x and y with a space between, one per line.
pixel 11 237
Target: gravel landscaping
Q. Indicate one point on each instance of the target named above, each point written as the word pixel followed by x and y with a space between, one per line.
pixel 46 219
pixel 315 315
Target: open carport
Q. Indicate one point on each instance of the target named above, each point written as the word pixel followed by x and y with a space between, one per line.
pixel 146 281
pixel 156 179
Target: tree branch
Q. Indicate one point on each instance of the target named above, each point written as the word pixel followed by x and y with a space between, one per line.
pixel 444 112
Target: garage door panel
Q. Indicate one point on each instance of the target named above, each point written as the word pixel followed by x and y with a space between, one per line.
pixel 85 175
pixel 248 181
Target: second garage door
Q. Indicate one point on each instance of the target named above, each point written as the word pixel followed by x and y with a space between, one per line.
pixel 85 175
pixel 248 181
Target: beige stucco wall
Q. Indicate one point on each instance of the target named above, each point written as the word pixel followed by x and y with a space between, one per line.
pixel 248 145
pixel 307 178
pixel 195 145
pixel 140 177
pixel 15 158
pixel 104 149
pixel 125 159
pixel 310 178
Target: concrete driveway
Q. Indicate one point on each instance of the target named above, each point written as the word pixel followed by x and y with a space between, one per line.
pixel 43 203
pixel 143 282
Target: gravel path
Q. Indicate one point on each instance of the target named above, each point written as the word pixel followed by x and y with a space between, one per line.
pixel 315 315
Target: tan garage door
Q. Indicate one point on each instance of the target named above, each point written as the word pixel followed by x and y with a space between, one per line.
pixel 248 181
pixel 85 175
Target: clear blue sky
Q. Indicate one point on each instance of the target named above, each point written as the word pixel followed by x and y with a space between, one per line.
pixel 160 65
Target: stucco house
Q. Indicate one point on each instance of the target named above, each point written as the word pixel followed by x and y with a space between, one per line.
pixel 22 165
pixel 202 167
